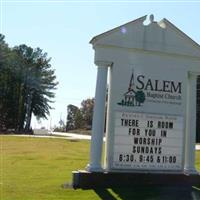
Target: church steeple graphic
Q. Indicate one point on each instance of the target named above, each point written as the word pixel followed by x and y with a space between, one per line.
pixel 131 83
pixel 132 97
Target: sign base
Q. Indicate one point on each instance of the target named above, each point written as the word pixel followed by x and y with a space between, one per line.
pixel 89 180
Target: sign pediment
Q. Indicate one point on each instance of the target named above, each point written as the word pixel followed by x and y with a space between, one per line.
pixel 160 36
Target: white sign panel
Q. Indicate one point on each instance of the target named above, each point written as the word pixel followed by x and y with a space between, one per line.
pixel 151 97
pixel 148 141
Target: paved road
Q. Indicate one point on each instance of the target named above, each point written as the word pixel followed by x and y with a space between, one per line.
pixel 86 137
pixel 71 136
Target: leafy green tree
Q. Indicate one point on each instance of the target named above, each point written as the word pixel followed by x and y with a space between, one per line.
pixel 38 83
pixel 79 121
pixel 6 86
pixel 87 107
pixel 27 85
pixel 71 117
pixel 80 117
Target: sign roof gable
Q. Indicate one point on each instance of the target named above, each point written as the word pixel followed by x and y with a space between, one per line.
pixel 160 36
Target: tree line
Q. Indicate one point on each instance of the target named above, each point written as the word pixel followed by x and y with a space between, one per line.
pixel 27 85
pixel 80 118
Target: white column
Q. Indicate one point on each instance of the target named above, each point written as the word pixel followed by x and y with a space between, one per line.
pixel 190 138
pixel 98 118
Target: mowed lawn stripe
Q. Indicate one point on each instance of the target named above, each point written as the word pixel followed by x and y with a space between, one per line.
pixel 40 169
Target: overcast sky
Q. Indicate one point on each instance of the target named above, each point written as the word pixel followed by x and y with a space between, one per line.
pixel 63 29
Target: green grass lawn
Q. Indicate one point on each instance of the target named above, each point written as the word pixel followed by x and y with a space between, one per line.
pixel 37 168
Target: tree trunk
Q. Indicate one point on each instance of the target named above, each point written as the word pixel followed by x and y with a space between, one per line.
pixel 29 112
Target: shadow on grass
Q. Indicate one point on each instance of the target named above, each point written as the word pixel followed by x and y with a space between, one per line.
pixel 149 193
pixel 104 194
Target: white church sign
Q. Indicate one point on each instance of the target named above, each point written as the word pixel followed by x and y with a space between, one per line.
pixel 146 140
pixel 151 98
